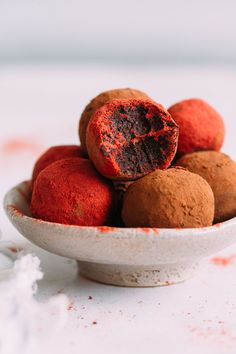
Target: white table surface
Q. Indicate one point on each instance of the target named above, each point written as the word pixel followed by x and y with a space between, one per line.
pixel 39 107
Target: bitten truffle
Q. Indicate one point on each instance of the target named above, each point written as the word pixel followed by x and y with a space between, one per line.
pixel 53 154
pixel 71 191
pixel 220 172
pixel 200 126
pixel 127 139
pixel 174 198
pixel 98 102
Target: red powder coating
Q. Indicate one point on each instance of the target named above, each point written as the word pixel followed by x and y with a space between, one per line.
pixel 219 332
pixel 71 306
pixel 127 139
pixel 15 249
pixel 224 261
pixel 106 228
pixel 16 145
pixel 71 191
pixel 53 154
pixel 200 126
pixel 145 229
pixel 155 229
pixel 16 210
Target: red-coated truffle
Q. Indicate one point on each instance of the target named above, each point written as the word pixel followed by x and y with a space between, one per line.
pixel 98 102
pixel 71 191
pixel 127 139
pixel 53 154
pixel 200 126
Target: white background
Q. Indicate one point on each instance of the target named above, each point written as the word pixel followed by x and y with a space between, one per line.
pixel 124 30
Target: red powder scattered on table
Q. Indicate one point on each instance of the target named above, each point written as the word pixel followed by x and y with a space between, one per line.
pixel 17 144
pixel 224 261
pixel 217 331
pixel 71 306
pixel 15 249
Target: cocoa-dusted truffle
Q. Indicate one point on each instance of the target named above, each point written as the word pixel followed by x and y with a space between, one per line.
pixel 127 139
pixel 220 172
pixel 200 126
pixel 53 154
pixel 174 198
pixel 71 191
pixel 98 102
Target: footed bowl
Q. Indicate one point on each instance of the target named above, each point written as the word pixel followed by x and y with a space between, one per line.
pixel 138 257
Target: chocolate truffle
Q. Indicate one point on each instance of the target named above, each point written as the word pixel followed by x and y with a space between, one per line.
pixel 220 172
pixel 120 189
pixel 174 198
pixel 53 154
pixel 200 126
pixel 127 139
pixel 70 191
pixel 98 102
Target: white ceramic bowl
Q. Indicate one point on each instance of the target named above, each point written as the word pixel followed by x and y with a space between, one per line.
pixel 121 256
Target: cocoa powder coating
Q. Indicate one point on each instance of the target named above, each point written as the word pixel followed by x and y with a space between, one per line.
pixel 99 101
pixel 220 172
pixel 174 198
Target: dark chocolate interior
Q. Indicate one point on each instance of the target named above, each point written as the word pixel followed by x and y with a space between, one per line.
pixel 141 152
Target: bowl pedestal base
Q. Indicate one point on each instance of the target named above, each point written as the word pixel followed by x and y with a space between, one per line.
pixel 136 276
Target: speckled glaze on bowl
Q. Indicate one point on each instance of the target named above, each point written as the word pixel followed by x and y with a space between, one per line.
pixel 136 257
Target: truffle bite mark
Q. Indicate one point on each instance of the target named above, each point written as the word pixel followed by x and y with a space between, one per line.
pixel 98 101
pixel 137 136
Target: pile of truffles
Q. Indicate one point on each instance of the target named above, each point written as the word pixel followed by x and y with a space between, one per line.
pixel 139 165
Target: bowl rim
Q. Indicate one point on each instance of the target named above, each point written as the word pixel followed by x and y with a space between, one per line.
pixel 13 212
